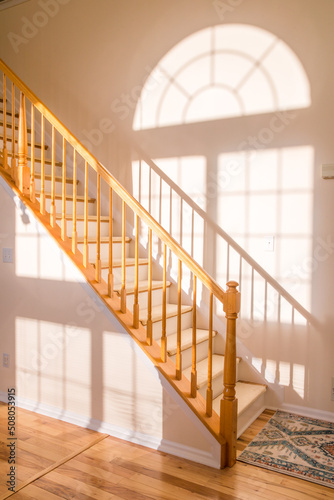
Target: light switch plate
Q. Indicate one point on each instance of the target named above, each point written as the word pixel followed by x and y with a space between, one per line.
pixel 328 171
pixel 269 244
pixel 7 255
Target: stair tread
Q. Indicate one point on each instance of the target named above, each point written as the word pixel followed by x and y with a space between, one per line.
pixel 104 239
pixel 37 145
pixel 142 286
pixel 202 369
pixel 9 125
pixel 8 113
pixel 171 310
pixel 39 160
pixel 186 339
pixel 129 261
pixel 68 197
pixel 81 217
pixel 246 393
pixel 58 178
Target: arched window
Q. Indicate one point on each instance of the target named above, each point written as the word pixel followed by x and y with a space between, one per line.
pixel 221 72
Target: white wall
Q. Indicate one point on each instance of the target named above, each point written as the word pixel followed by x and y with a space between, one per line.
pixel 89 57
pixel 68 356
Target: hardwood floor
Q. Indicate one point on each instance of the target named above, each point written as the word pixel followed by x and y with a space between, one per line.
pixel 60 460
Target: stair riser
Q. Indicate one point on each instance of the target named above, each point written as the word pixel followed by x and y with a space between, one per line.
pixel 48 171
pixel 129 274
pixel 9 143
pixel 217 387
pixel 250 414
pixel 117 251
pixel 171 325
pixel 91 228
pixel 58 186
pixel 143 299
pixel 201 353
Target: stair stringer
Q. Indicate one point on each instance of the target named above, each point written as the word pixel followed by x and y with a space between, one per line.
pixel 192 408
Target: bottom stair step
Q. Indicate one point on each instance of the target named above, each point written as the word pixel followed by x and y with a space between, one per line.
pixel 246 393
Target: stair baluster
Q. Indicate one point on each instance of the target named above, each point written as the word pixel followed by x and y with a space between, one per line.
pixel 209 392
pixel 23 169
pixel 123 289
pixel 42 193
pixel 53 180
pixel 164 307
pixel 110 273
pixel 74 210
pixel 13 159
pixel 193 390
pixel 32 153
pixel 4 107
pixel 149 334
pixel 179 323
pixel 98 231
pixel 85 246
pixel 136 294
pixel 63 196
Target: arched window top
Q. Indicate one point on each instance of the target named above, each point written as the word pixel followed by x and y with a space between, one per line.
pixel 221 72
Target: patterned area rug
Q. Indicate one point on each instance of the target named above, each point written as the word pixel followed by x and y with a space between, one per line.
pixel 298 446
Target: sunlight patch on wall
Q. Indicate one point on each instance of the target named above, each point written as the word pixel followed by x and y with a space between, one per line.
pixel 37 254
pixel 53 364
pixel 270 372
pixel 284 373
pixel 298 379
pixel 130 393
pixel 220 72
pixel 257 363
pixel 273 197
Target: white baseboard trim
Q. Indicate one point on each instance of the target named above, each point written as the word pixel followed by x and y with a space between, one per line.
pixel 304 411
pixel 153 442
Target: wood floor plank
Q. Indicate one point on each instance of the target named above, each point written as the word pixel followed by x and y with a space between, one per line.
pixel 104 468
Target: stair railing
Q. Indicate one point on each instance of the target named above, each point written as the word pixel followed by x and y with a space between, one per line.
pixel 234 267
pixel 98 179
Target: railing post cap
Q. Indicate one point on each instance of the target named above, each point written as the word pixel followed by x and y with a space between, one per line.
pixel 231 304
pixel 232 284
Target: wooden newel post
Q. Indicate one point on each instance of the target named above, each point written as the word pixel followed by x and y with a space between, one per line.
pixel 23 171
pixel 229 403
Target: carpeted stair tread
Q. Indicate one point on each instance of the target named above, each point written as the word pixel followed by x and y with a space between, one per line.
pixel 69 197
pixel 246 393
pixel 171 310
pixel 104 239
pixel 142 286
pixel 81 217
pixel 202 369
pixel 186 339
pixel 129 261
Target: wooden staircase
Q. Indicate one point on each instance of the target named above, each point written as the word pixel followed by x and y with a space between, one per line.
pixel 117 253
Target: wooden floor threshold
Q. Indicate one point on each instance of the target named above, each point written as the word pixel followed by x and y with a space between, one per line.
pixel 57 464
